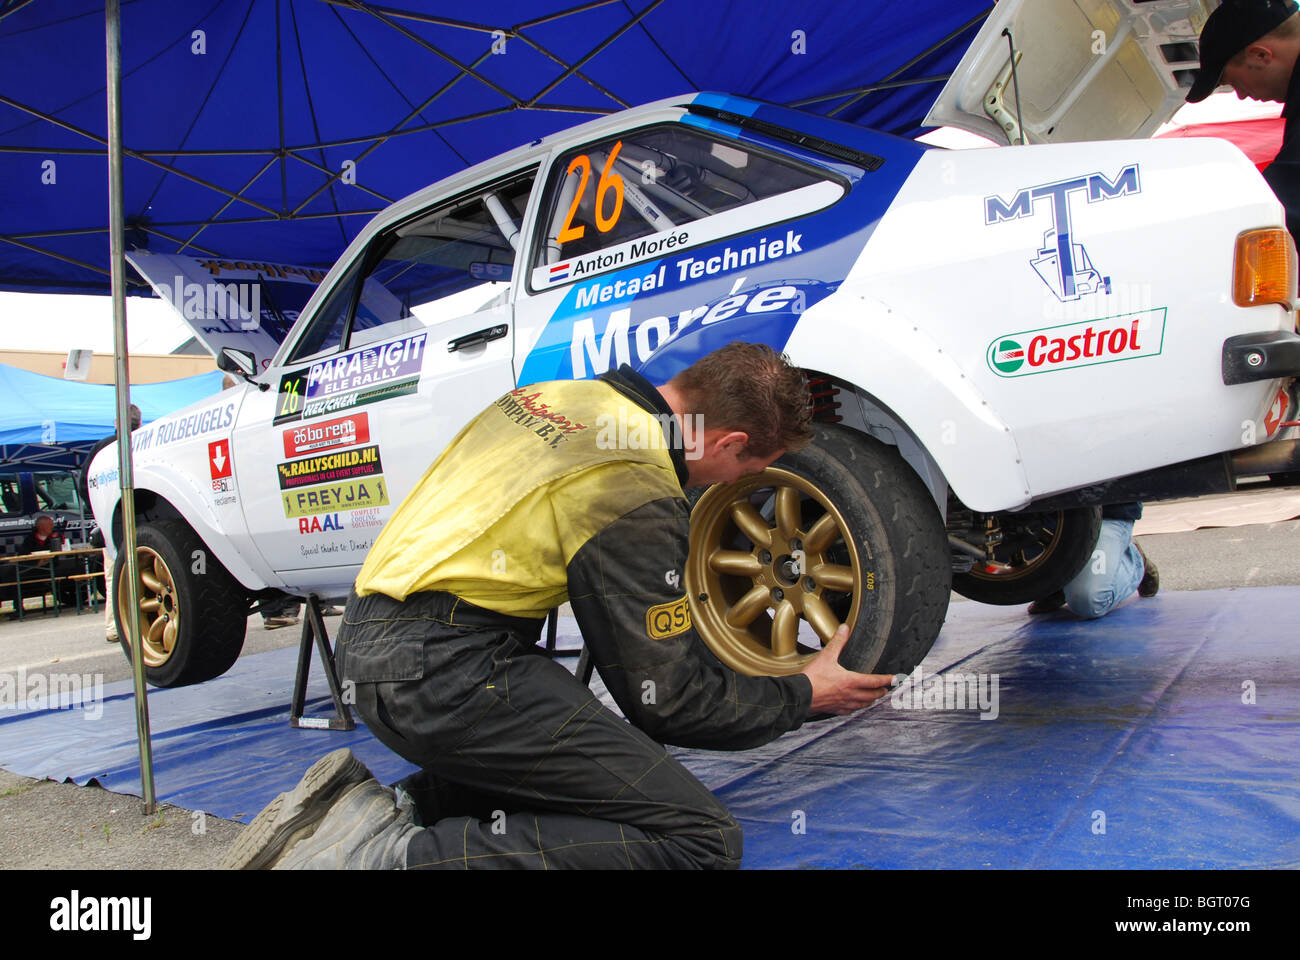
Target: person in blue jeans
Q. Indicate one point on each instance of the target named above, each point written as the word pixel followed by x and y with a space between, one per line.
pixel 1117 569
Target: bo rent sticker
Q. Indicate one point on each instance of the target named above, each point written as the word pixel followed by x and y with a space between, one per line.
pixel 325 435
pixel 1081 344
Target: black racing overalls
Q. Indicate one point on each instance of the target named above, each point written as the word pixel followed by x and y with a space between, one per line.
pixel 523 766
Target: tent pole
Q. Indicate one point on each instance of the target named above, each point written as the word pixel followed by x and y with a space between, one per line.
pixel 122 380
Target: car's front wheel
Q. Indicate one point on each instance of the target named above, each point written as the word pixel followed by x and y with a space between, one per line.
pixel 841 532
pixel 193 613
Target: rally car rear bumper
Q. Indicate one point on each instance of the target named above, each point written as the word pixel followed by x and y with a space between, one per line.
pixel 1205 476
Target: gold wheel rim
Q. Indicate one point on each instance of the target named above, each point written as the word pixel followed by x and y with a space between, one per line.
pixel 159 611
pixel 767 555
pixel 1015 564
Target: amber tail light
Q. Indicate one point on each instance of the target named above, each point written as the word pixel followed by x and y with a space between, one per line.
pixel 1265 268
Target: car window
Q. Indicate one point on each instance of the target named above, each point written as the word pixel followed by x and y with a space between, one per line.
pixel 649 181
pixel 11 495
pixel 453 260
pixel 325 331
pixel 56 491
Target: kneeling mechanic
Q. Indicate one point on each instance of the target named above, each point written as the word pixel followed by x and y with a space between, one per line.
pixel 565 490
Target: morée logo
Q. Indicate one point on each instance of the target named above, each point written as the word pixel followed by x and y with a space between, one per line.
pixel 1081 344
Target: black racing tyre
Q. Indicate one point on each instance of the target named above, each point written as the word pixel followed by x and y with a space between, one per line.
pixel 1039 554
pixel 841 532
pixel 193 613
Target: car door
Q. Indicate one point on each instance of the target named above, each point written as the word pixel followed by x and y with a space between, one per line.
pixel 412 342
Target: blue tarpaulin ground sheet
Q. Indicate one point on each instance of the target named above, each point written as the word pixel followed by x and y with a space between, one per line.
pixel 1163 736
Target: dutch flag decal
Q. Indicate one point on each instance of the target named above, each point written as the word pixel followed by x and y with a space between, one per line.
pixel 558 273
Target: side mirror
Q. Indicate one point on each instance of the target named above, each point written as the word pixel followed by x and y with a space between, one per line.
pixel 239 361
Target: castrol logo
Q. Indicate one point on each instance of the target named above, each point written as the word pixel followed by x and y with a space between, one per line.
pixel 1082 344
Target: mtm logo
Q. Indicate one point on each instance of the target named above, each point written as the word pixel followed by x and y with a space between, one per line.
pixel 1061 261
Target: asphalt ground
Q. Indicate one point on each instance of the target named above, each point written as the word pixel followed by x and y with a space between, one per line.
pixel 48 825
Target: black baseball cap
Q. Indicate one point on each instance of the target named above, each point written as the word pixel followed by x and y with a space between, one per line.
pixel 1234 26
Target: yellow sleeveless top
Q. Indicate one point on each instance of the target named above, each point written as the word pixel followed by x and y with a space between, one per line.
pixel 498 516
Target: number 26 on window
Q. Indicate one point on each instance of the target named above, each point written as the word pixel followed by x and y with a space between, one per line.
pixel 608 181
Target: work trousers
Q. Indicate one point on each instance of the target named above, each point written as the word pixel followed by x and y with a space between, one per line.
pixel 1110 576
pixel 521 765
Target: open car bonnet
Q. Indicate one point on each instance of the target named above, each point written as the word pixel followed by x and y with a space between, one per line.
pixel 1087 70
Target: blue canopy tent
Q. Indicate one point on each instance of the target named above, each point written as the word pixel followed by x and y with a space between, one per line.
pixel 273 129
pixel 47 423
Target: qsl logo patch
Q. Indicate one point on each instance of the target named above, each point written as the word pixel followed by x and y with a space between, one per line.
pixel 666 620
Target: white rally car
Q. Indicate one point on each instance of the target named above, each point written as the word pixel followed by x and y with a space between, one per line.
pixel 998 340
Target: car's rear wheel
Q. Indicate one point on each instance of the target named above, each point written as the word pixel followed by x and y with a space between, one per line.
pixel 1039 553
pixel 193 614
pixel 841 532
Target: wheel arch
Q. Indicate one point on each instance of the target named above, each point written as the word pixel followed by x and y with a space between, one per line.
pixel 907 391
pixel 152 505
pixel 863 413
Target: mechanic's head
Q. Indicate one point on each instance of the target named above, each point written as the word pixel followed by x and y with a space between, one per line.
pixel 44 525
pixel 752 406
pixel 1252 46
pixel 135 417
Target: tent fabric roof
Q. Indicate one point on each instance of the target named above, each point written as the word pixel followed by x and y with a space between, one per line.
pixel 273 129
pixel 50 422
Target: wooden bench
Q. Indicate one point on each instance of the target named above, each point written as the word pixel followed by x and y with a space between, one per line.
pixel 35 573
pixel 22 592
pixel 88 579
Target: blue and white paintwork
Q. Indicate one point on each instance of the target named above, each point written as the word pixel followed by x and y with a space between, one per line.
pixel 900 279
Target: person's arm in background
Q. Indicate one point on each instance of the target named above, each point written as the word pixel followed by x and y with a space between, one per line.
pixel 1283 176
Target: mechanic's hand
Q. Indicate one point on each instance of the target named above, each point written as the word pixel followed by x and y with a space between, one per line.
pixel 840 691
